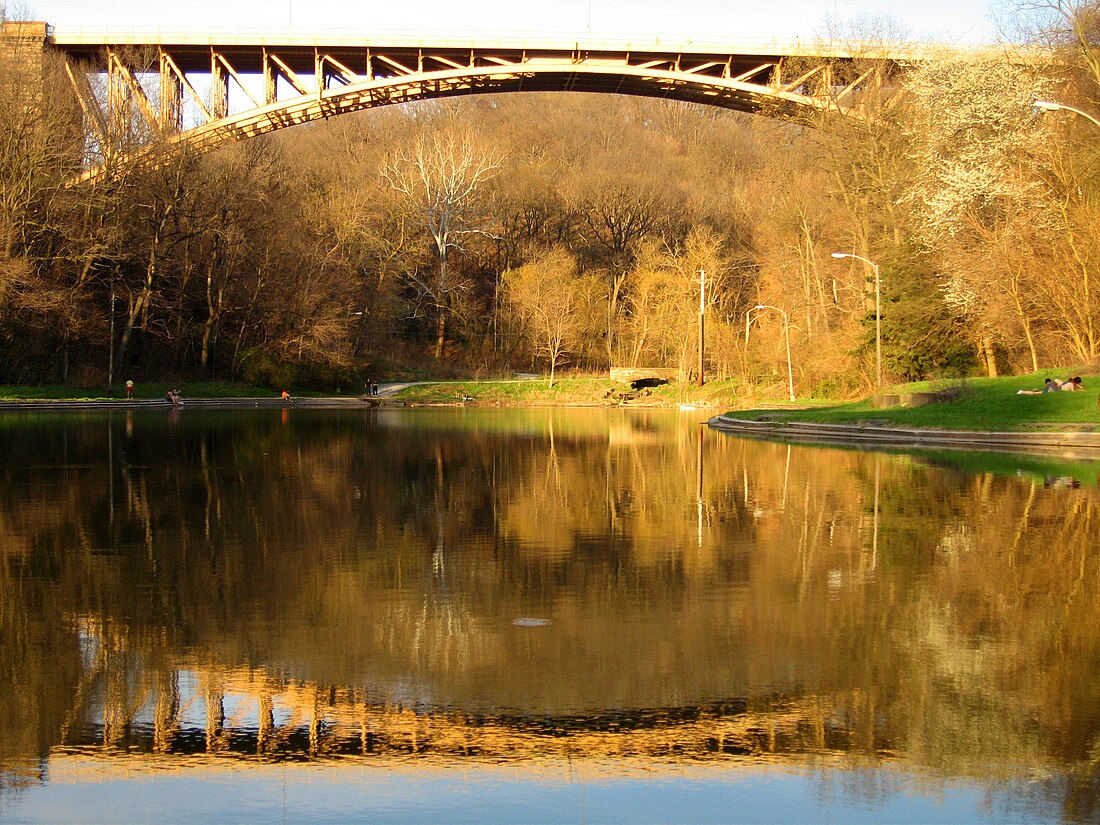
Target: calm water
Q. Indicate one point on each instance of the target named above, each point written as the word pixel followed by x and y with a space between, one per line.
pixel 538 616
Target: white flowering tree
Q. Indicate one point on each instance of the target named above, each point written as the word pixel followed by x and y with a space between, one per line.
pixel 980 209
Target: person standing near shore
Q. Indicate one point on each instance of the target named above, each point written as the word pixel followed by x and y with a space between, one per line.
pixel 129 390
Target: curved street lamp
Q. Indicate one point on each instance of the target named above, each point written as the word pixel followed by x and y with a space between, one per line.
pixel 786 334
pixel 878 312
pixel 1050 106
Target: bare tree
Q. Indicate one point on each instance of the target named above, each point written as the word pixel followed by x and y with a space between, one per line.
pixel 440 177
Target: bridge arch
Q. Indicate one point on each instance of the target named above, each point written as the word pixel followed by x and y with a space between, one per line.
pixel 729 94
pixel 298 80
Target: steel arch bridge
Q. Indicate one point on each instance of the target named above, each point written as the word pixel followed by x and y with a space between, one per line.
pixel 205 89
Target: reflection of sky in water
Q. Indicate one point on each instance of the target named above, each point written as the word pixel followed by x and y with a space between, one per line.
pixel 478 794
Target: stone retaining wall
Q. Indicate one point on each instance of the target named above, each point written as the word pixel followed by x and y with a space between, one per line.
pixel 627 374
pixel 1081 442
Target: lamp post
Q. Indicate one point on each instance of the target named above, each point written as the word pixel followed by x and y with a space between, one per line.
pixel 786 335
pixel 878 312
pixel 1050 106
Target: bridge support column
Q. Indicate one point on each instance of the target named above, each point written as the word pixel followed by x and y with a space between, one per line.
pixel 171 96
pixel 118 99
pixel 219 88
pixel 271 79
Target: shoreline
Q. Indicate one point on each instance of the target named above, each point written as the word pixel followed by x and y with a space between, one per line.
pixel 1086 444
pixel 316 402
pixel 204 403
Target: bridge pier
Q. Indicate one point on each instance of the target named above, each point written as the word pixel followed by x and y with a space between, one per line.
pixel 22 52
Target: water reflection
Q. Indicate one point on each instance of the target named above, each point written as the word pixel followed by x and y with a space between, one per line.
pixel 619 589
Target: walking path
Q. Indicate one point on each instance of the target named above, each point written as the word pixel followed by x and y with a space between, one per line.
pixel 1084 443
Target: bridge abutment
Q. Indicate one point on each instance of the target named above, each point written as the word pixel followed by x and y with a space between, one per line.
pixel 22 49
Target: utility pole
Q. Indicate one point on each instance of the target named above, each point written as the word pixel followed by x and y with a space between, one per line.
pixel 702 310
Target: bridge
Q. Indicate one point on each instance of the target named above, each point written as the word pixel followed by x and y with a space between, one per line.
pixel 204 89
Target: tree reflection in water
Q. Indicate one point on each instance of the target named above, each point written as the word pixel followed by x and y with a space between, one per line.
pixel 350 585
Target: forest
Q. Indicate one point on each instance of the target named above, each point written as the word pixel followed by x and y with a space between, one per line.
pixel 566 233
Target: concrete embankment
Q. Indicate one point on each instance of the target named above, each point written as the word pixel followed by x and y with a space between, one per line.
pixel 1085 444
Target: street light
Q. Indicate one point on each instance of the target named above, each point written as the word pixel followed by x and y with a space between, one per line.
pixel 786 334
pixel 878 312
pixel 1050 106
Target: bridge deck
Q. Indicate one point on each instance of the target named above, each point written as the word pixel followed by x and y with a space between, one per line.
pixel 191 48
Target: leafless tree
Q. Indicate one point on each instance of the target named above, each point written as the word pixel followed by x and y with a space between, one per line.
pixel 440 178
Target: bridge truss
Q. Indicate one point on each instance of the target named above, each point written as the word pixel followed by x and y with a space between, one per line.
pixel 203 91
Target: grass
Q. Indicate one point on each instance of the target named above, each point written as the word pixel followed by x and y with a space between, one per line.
pixel 983 404
pixel 573 391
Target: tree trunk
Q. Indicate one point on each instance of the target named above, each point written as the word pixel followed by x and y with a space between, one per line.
pixel 990 357
pixel 139 306
pixel 440 332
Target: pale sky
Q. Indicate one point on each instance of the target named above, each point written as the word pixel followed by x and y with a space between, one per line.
pixel 957 21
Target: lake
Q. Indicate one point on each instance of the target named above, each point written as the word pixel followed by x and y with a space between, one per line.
pixel 541 615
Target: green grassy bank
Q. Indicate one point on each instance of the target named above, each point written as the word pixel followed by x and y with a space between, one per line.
pixel 594 391
pixel 568 391
pixel 981 404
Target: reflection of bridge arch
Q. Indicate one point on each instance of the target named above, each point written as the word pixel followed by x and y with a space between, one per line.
pixel 257 84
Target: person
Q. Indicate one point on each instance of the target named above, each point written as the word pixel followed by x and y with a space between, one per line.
pixel 285 396
pixel 173 397
pixel 1073 384
pixel 1050 385
pixel 129 390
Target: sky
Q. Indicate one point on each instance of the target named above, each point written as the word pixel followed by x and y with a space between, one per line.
pixel 954 21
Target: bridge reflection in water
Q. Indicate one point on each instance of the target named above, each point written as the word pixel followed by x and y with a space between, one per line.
pixel 248 714
pixel 232 591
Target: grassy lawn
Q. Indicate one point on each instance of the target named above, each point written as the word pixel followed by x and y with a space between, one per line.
pixel 594 391
pixel 983 404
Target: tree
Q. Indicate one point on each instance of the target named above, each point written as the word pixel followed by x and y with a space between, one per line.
pixel 971 124
pixel 545 296
pixel 440 177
